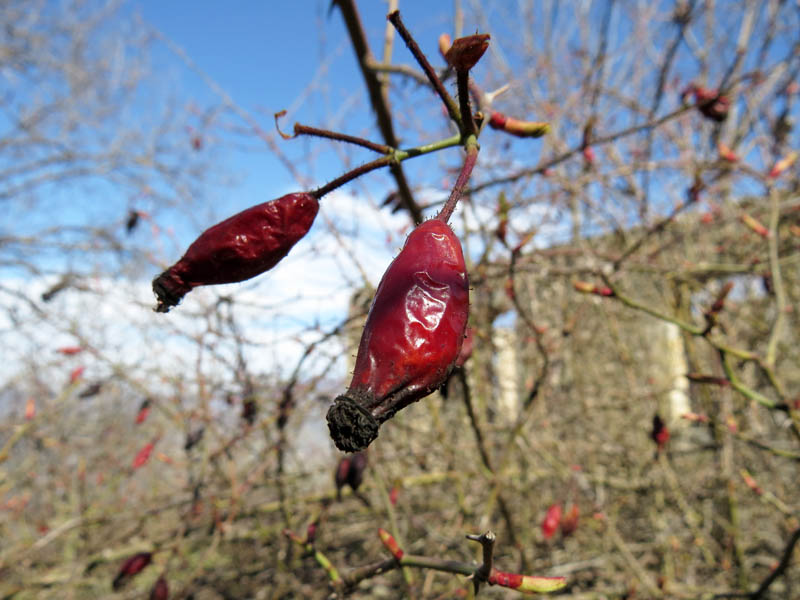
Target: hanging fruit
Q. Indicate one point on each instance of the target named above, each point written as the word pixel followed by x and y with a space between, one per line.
pixel 239 248
pixel 412 337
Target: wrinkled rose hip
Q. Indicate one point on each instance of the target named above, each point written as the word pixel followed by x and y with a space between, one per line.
pixel 412 336
pixel 240 247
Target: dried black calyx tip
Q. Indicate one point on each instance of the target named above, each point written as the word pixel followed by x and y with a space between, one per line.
pixel 352 427
pixel 169 289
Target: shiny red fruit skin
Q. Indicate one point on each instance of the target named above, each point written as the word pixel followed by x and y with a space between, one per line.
pixel 240 247
pixel 413 334
pixel 416 324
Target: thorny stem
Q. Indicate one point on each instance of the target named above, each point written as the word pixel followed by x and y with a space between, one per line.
pixel 452 109
pixel 463 177
pixel 481 574
pixel 486 540
pixel 462 79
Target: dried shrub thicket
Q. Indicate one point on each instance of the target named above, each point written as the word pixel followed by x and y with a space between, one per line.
pixel 616 414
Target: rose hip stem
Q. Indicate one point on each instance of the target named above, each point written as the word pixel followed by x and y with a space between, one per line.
pixel 350 175
pixel 300 129
pixel 463 177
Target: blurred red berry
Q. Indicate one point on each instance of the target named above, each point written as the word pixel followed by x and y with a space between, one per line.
pixel 160 590
pixel 659 434
pixel 570 521
pixel 143 455
pixel 552 519
pixel 130 568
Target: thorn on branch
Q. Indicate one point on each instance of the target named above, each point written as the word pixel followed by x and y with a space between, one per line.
pixel 482 573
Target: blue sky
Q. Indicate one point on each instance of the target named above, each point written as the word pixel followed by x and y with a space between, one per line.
pixel 264 54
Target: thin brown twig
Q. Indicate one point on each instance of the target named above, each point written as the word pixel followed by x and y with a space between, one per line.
pixel 430 73
pixel 378 100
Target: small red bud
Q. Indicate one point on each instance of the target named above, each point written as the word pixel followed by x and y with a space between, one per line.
pixel 30 408
pixel 76 374
pixel 143 455
pixel 465 52
pixel 390 543
pixel 751 483
pixel 570 521
pixel 783 164
pixel 517 127
pixel 70 350
pixel 727 154
pixel 445 41
pixel 754 225
pixel 733 426
pixel 526 583
pixel 144 410
pixel 589 288
pixel 551 520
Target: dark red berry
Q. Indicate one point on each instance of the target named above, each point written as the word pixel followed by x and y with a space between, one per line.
pixel 243 246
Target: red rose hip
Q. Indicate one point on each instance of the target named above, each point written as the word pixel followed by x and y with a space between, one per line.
pixel 240 247
pixel 412 336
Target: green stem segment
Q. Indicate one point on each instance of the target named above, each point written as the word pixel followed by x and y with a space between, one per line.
pixel 393 157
